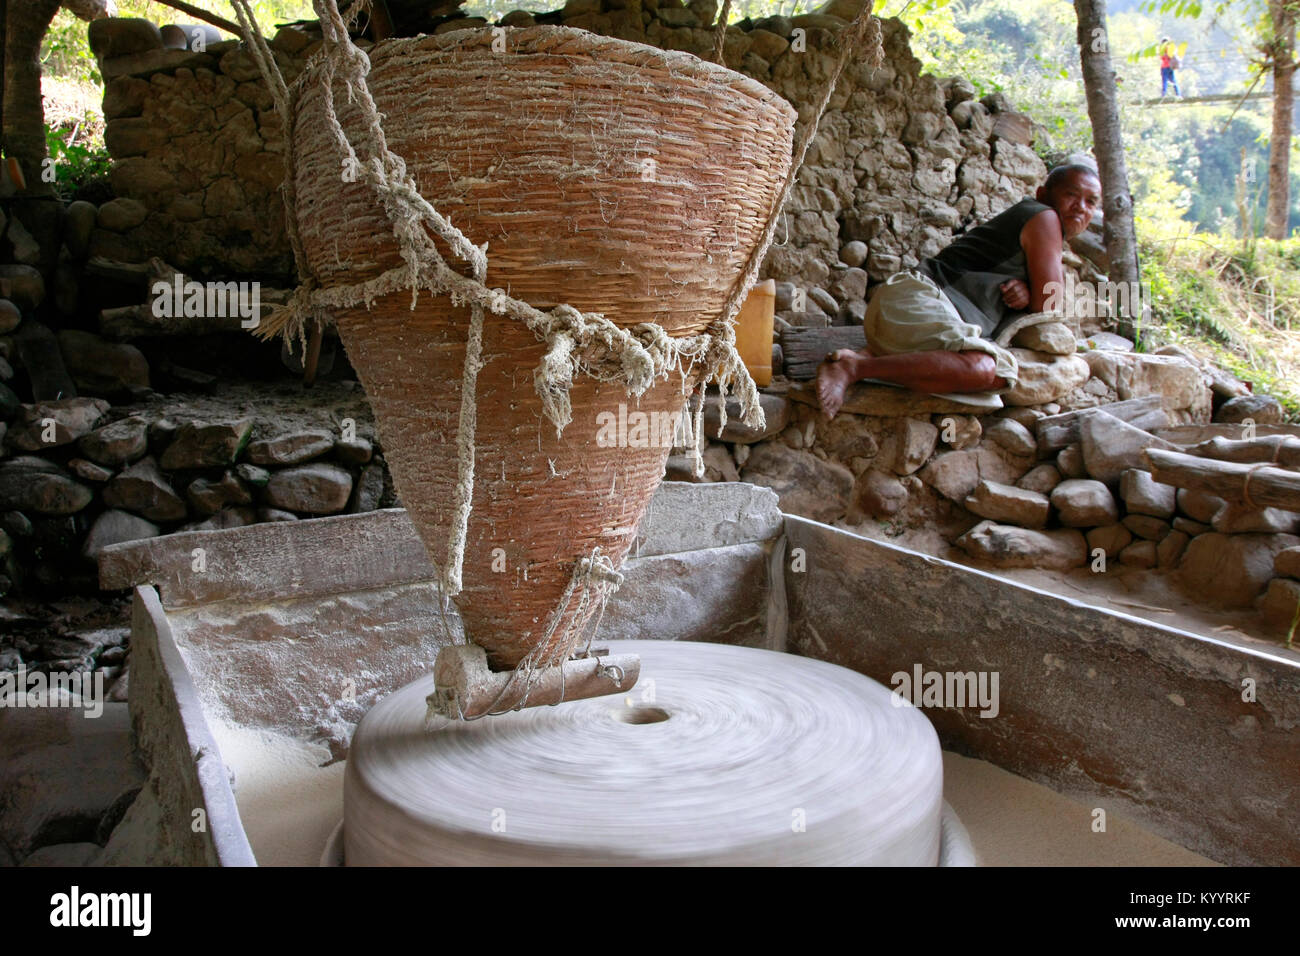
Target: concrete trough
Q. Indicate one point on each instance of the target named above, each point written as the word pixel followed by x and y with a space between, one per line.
pixel 256 650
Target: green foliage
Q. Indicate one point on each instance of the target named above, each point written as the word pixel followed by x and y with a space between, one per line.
pixel 75 164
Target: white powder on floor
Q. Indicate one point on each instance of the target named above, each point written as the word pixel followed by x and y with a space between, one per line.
pixel 289 804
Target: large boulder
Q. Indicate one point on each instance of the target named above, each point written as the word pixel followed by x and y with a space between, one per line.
pixel 1009 547
pixel 1231 570
pixel 1183 387
pixel 1111 446
pixel 46 425
pixel 805 484
pixel 31 484
pixel 1045 377
pixel 1008 504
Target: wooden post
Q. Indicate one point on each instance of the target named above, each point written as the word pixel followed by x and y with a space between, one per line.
pixel 1257 485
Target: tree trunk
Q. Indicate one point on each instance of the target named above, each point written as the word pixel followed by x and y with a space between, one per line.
pixel 1108 143
pixel 24 115
pixel 1279 147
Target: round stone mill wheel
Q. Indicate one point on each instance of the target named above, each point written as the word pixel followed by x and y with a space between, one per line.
pixel 720 755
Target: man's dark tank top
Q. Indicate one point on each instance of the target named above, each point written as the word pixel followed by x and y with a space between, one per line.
pixel 971 270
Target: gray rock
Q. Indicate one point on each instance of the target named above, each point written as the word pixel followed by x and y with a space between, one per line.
pixel 880 495
pixel 776 412
pixel 1281 603
pixel 769 45
pixel 1083 503
pixel 1013 437
pixel 1199 505
pixel 49 424
pixel 63 774
pixel 1111 446
pixel 32 484
pixel 89 471
pixel 677 17
pixel 207 445
pixel 118 36
pixel 1238 518
pixel 1107 341
pixel 824 300
pixel 1170 550
pixel 121 215
pixel 1144 495
pixel 1054 338
pixel 208 496
pixel 275 514
pixel 1139 554
pixel 1145 526
pixel 358 451
pixel 1045 377
pixel 850 285
pixel 1111 539
pixel 143 489
pixel 954 474
pixel 290 449
pixel 16 524
pixel 113 527
pixel 22 285
pixel 1287 563
pixel 252 474
pixel 1005 546
pixel 99 367
pixel 1041 478
pixel 1231 570
pixel 369 489
pixel 908 446
pixel 316 488
pixel 78 222
pixel 1189 527
pixel 853 253
pixel 117 443
pixel 9 316
pixel 233 517
pixel 1007 504
pixel 1260 409
pixel 805 484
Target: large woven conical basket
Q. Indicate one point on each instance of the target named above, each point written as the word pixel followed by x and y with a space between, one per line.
pixel 613 176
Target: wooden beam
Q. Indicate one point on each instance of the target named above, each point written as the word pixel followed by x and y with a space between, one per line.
pixel 1269 487
pixel 1281 450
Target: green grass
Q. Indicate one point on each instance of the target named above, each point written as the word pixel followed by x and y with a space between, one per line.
pixel 1235 303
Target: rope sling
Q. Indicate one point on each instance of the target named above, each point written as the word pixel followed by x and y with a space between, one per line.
pixel 575 342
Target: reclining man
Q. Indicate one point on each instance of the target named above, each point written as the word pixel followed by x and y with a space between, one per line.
pixel 931 329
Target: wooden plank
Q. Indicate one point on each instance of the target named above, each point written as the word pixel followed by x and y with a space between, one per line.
pixel 274 559
pixel 804 349
pixel 1057 431
pixel 1270 487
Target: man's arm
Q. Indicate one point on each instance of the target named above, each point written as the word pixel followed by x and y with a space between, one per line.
pixel 1042 242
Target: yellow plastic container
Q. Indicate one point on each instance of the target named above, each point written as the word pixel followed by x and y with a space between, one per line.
pixel 754 331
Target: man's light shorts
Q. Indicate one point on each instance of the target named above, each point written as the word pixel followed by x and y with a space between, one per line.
pixel 909 313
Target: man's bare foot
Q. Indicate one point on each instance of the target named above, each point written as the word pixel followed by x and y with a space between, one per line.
pixel 834 376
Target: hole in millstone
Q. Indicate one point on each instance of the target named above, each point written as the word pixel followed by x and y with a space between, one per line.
pixel 640 715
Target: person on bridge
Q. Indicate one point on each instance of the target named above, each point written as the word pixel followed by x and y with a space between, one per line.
pixel 1169 62
pixel 930 329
